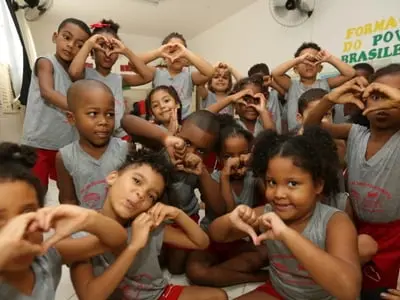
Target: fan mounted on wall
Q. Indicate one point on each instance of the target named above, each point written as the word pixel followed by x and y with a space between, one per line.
pixel 291 13
pixel 34 9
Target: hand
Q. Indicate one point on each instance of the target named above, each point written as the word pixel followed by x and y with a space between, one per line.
pixel 307 59
pixel 99 42
pixel 245 219
pixel 272 226
pixel 261 106
pixel 231 165
pixel 12 242
pixel 238 97
pixel 116 47
pixel 64 219
pixel 391 294
pixel 141 227
pixel 350 92
pixel 323 56
pixel 173 126
pixel 392 95
pixel 267 80
pixel 176 149
pixel 173 52
pixel 192 164
pixel 161 212
pixel 221 65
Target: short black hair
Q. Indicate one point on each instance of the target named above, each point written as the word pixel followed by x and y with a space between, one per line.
pixel 83 85
pixel 240 84
pixel 310 96
pixel 365 67
pixel 173 35
pixel 205 120
pixel 16 163
pixel 260 68
pixel 307 45
pixel 172 92
pixel 82 25
pixel 314 151
pixel 230 128
pixel 392 69
pixel 109 26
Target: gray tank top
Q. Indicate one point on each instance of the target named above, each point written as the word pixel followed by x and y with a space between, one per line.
pixel 211 99
pixel 287 276
pixel 295 91
pixel 46 126
pixel 373 184
pixel 89 174
pixel 182 83
pixel 114 82
pixel 257 129
pixel 274 107
pixel 144 279
pixel 246 196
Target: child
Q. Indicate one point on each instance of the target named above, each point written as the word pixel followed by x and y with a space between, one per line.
pixel 218 87
pixel 174 50
pixel 364 69
pixel 373 167
pixel 45 126
pixel 250 105
pixel 307 64
pixel 83 165
pixel 230 263
pixel 106 46
pixel 164 105
pixel 134 191
pixel 33 269
pixel 312 247
pixel 274 104
pixel 199 133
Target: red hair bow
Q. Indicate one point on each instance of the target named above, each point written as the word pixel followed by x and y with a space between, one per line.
pixel 99 25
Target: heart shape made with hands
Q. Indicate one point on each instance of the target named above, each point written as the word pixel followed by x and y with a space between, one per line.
pixel 239 165
pixel 191 163
pixel 173 52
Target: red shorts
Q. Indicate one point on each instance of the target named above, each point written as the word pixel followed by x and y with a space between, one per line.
pixel 171 292
pixel 383 270
pixel 126 138
pixel 195 218
pixel 269 289
pixel 225 251
pixel 45 166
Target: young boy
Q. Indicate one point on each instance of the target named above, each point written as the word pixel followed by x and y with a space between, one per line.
pixel 83 165
pixel 307 64
pixel 199 133
pixel 46 127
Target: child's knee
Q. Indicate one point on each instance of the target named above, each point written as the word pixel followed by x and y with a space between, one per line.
pixel 367 247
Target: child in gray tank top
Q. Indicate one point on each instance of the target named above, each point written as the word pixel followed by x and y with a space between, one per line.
pixel 106 46
pixel 46 126
pixel 30 267
pixel 307 63
pixel 135 273
pixel 177 73
pixel 84 164
pixel 312 248
pixel 373 169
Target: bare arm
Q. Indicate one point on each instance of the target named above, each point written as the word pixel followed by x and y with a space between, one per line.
pixel 210 193
pixel 279 74
pixel 65 183
pixel 226 192
pixel 202 91
pixel 144 74
pixel 278 88
pixel 77 67
pixel 205 69
pixel 346 72
pixel 136 126
pixel 44 71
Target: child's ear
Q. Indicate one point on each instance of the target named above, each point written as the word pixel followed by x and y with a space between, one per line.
pixel 299 118
pixel 70 118
pixel 54 37
pixel 319 186
pixel 111 178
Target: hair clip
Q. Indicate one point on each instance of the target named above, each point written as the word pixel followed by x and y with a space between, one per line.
pixel 99 25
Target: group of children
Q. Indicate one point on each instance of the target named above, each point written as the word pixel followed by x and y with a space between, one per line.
pixel 298 181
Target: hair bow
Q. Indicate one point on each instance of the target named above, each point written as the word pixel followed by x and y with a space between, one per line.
pixel 99 25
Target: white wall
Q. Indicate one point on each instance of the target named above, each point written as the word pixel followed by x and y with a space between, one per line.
pixel 253 36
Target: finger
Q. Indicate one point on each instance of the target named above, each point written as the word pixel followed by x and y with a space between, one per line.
pixel 357 102
pixel 268 235
pixel 383 106
pixel 389 296
pixel 395 292
pixel 26 247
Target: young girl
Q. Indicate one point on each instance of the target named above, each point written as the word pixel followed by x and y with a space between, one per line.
pixel 230 263
pixel 45 125
pixel 312 247
pixel 373 167
pixel 164 105
pixel 251 107
pixel 218 87
pixel 174 51
pixel 32 269
pixel 106 46
pixel 135 273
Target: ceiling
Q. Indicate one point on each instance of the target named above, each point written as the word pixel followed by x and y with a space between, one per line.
pixel 189 17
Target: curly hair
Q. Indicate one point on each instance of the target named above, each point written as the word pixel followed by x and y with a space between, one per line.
pixel 112 28
pixel 307 45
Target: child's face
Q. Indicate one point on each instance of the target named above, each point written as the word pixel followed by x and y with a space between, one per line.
pixel 134 190
pixel 18 198
pixel 69 40
pixel 388 118
pixel 363 73
pixel 180 63
pixel 234 147
pixel 328 117
pixel 105 59
pixel 290 190
pixel 197 140
pixel 162 106
pixel 248 112
pixel 308 71
pixel 220 80
pixel 94 117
